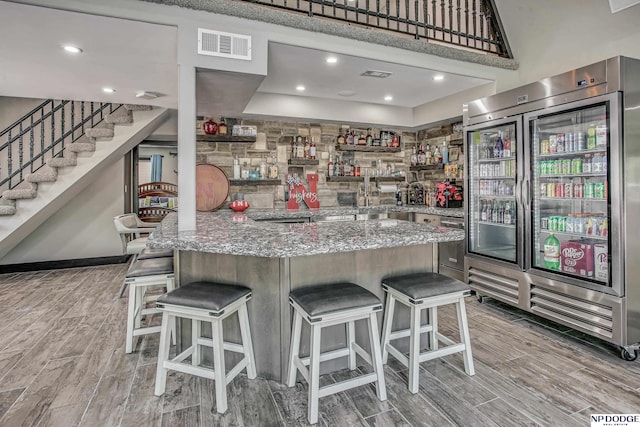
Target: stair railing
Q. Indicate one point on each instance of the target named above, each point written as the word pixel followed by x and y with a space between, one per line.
pixel 43 133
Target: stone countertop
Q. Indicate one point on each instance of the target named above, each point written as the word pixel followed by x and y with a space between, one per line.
pixel 263 214
pixel 227 232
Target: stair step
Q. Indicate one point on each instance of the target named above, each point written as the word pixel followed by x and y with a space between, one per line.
pixel 61 162
pixel 121 118
pixel 21 193
pixel 132 107
pixel 7 210
pixel 47 174
pixel 79 147
pixel 99 133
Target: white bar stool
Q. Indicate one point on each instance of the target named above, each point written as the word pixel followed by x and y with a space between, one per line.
pixel 147 253
pixel 142 276
pixel 425 291
pixel 328 305
pixel 212 303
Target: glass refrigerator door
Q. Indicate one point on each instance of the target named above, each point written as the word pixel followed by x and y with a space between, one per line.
pixel 571 204
pixel 492 207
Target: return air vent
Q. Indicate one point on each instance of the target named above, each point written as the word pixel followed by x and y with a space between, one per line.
pixel 494 285
pixel 226 45
pixel 376 73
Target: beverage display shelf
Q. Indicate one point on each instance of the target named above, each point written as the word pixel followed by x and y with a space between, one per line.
pixel 497 224
pixel 496 196
pixel 571 153
pixel 573 175
pixel 493 177
pixel 496 159
pixel 579 235
pixel 571 199
pixel 369 148
pixel 246 182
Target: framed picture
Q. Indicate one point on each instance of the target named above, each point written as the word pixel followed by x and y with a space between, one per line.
pixel 454 154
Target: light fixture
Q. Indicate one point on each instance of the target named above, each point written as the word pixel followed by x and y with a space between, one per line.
pixel 300 88
pixel 332 60
pixel 108 90
pixel 388 98
pixel 438 77
pixel 71 49
pixel 146 95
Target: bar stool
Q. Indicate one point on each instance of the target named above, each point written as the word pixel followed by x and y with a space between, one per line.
pixel 147 253
pixel 142 276
pixel 212 303
pixel 425 291
pixel 328 305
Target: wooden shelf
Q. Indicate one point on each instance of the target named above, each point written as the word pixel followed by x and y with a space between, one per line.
pixel 426 167
pixel 303 162
pixel 367 148
pixel 247 182
pixel 225 138
pixel 361 178
pixel 388 178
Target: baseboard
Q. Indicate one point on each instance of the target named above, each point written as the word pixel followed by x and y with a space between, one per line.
pixel 67 263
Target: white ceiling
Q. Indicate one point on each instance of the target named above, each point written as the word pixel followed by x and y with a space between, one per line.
pixel 133 56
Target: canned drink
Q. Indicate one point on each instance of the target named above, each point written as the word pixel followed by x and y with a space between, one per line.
pixel 580 141
pixel 568 190
pixel 543 167
pixel 543 190
pixel 604 229
pixel 553 144
pixel 566 167
pixel 598 190
pixel 588 190
pixel 578 225
pixel 544 223
pixel 562 223
pixel 570 224
pixel 557 167
pixel 560 143
pixel 551 190
pixel 576 166
pixel 568 142
pixel 578 190
pixel 553 223
pixel 544 146
pixel 559 190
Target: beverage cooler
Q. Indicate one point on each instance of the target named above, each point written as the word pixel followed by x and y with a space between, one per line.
pixel 553 199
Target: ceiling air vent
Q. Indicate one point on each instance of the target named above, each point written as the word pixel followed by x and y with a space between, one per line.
pixel 376 73
pixel 227 45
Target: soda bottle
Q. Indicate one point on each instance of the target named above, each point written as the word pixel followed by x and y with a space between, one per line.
pixel 498 147
pixel 552 252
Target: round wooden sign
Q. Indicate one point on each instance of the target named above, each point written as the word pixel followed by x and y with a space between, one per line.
pixel 212 187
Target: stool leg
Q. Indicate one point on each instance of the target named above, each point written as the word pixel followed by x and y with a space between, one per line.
pixel 294 350
pixel 218 366
pixel 376 356
pixel 130 318
pixel 247 344
pixel 196 326
pixel 314 374
pixel 163 354
pixel 386 325
pixel 139 303
pixel 171 285
pixel 433 317
pixel 414 350
pixel 351 339
pixel 464 336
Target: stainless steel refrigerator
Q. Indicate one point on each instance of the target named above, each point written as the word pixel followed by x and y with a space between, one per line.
pixel 553 199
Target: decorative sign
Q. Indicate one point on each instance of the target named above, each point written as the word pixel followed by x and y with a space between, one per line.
pixel 298 193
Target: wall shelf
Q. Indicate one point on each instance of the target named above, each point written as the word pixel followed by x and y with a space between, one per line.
pixel 303 162
pixel 426 167
pixel 248 182
pixel 361 178
pixel 225 138
pixel 367 148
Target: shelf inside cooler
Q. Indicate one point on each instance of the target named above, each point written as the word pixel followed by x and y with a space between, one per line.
pixel 497 224
pixel 492 196
pixel 573 175
pixel 569 199
pixel 571 153
pixel 504 252
pixel 495 159
pixel 574 235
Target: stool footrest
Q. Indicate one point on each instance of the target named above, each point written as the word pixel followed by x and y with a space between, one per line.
pixel 229 346
pixel 347 384
pixel 402 333
pixel 445 351
pixel 398 355
pixel 179 358
pixel 190 369
pixel 147 330
pixel 329 355
pixel 236 370
pixel 361 351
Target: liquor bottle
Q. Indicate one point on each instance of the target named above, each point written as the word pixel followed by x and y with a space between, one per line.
pixel 236 168
pixel 341 167
pixel 294 150
pixel 299 148
pixel 349 137
pixel 445 153
pixel 498 146
pixel 312 150
pixel 552 252
pixel 422 156
pixel 414 157
pixel 369 137
pixel 362 140
pixel 273 171
pixel 330 167
pixel 306 148
pixel 428 156
pixel 437 157
pixel 263 170
pixel 222 127
pixel 341 138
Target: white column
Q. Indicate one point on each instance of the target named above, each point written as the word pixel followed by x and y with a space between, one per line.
pixel 187 148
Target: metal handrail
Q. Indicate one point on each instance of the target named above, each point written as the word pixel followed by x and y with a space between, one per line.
pixel 473 24
pixel 47 129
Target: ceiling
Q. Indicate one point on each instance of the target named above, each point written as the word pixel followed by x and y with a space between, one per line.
pixel 132 56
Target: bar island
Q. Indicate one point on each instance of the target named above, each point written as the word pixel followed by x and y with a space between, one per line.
pixel 273 258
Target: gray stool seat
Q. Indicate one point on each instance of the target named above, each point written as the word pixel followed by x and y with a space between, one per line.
pixel 148 253
pixel 326 299
pixel 150 267
pixel 424 285
pixel 213 297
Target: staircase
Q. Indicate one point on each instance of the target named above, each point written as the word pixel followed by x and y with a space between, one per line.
pixel 54 174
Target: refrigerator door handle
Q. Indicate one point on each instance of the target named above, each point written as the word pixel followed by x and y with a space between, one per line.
pixel 526 194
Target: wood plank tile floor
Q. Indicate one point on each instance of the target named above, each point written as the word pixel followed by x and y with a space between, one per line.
pixel 62 363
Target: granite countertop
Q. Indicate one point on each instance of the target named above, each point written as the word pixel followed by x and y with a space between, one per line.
pixel 227 232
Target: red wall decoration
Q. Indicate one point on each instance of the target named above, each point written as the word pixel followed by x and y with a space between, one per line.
pixel 298 193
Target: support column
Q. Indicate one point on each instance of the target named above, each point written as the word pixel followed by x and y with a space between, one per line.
pixel 187 147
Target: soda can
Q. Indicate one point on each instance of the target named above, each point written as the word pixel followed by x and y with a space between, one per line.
pixel 598 190
pixel 588 190
pixel 580 141
pixel 560 148
pixel 568 190
pixel 544 146
pixel 553 144
pixel 557 167
pixel 566 167
pixel 568 142
pixel 570 224
pixel 579 225
pixel 543 190
pixel 562 223
pixel 553 223
pixel 551 190
pixel 544 223
pixel 578 190
pixel 576 166
pixel 543 167
pixel 559 190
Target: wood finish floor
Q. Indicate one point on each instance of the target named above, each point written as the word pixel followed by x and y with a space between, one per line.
pixel 62 363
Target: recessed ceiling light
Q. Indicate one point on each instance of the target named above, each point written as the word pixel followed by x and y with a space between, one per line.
pixel 438 77
pixel 72 49
pixel 108 90
pixel 388 98
pixel 300 88
pixel 332 59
